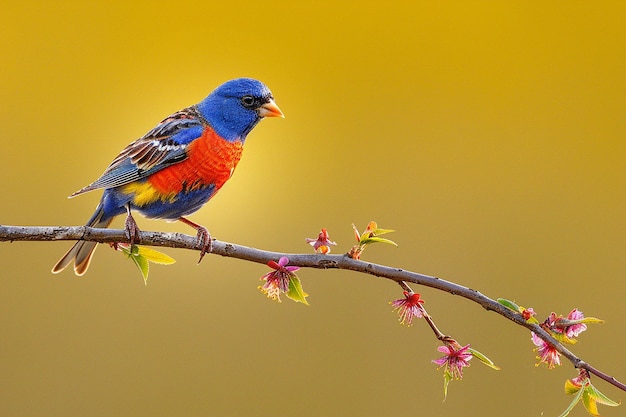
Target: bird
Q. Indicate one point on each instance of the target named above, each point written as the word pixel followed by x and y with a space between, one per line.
pixel 178 166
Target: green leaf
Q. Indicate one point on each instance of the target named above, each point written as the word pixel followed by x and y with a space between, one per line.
pixel 141 256
pixel 590 395
pixel 155 256
pixel 375 239
pixel 573 403
pixel 382 231
pixel 590 404
pixel 509 304
pixel 571 388
pixel 599 397
pixel 296 293
pixel 562 337
pixel 447 377
pixel 590 320
pixel 142 264
pixel 484 359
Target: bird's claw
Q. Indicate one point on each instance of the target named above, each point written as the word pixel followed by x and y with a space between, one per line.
pixel 131 230
pixel 204 239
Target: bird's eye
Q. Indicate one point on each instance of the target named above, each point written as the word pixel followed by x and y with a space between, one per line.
pixel 248 101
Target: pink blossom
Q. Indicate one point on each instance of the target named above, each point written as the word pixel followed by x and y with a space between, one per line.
pixel 575 329
pixel 456 358
pixel 322 243
pixel 571 325
pixel 277 281
pixel 408 307
pixel 547 354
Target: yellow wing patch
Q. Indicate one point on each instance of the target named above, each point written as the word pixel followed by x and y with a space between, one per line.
pixel 144 193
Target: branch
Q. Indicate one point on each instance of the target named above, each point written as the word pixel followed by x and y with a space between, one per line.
pixel 178 240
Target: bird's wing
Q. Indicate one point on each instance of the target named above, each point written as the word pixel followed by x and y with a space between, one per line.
pixel 161 147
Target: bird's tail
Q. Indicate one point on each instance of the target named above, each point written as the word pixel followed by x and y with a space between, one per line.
pixel 82 251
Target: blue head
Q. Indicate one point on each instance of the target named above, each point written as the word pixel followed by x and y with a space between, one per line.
pixel 236 106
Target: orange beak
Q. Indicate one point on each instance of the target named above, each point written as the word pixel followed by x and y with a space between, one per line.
pixel 270 109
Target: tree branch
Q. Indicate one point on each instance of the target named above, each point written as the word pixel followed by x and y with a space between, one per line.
pixel 178 240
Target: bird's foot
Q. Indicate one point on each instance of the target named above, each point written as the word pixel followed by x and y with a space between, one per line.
pixel 131 229
pixel 204 237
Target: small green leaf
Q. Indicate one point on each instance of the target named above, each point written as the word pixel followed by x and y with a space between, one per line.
pixel 382 231
pixel 141 256
pixel 143 265
pixel 562 337
pixel 155 256
pixel 375 239
pixel 571 388
pixel 484 359
pixel 589 320
pixel 590 404
pixel 573 403
pixel 296 292
pixel 599 397
pixel 590 395
pixel 447 377
pixel 509 304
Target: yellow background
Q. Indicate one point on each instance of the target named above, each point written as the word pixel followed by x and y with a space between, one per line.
pixel 490 135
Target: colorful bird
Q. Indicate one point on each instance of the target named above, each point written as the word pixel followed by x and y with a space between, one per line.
pixel 177 167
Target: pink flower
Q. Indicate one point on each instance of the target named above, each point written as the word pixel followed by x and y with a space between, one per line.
pixel 277 281
pixel 322 242
pixel 408 307
pixel 547 354
pixel 575 329
pixel 572 326
pixel 456 358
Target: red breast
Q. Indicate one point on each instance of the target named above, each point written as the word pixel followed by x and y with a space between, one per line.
pixel 211 160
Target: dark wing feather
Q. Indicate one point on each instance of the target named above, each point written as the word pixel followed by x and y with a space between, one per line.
pixel 161 147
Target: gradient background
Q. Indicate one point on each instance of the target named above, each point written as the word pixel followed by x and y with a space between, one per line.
pixel 491 136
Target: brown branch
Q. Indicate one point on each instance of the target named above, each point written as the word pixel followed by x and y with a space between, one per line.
pixel 178 240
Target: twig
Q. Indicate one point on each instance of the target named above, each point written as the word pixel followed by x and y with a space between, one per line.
pixel 178 240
